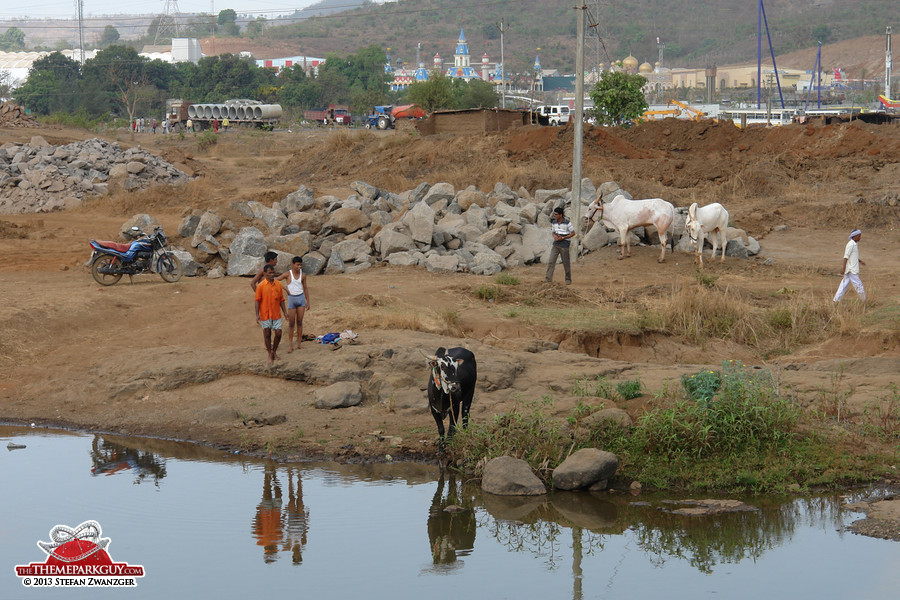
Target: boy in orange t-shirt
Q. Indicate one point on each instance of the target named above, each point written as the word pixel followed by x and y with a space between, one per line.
pixel 269 308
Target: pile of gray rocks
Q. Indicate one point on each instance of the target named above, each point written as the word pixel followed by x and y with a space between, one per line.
pixel 39 177
pixel 435 227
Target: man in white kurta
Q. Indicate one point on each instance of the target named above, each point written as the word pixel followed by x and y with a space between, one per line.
pixel 850 268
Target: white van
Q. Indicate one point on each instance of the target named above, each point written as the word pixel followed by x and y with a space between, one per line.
pixel 553 114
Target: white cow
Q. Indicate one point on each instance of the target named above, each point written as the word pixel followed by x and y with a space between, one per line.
pixel 711 219
pixel 623 215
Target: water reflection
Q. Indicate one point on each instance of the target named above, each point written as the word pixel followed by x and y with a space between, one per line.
pixel 726 538
pixel 591 545
pixel 110 458
pixel 278 525
pixel 451 521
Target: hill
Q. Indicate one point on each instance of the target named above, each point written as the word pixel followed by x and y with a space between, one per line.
pixel 694 33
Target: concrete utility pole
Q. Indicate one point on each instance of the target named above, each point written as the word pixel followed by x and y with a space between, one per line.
pixel 502 27
pixel 579 122
pixel 80 4
pixel 887 64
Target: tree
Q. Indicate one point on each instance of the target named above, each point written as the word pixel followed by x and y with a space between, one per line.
pixel 12 39
pixel 109 36
pixel 822 33
pixel 618 97
pixel 52 85
pixel 228 22
pixel 476 94
pixel 256 28
pixel 433 94
pixel 118 77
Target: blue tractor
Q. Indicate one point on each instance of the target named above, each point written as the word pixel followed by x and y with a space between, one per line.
pixel 381 118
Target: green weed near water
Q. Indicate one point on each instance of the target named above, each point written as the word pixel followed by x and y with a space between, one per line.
pixel 740 435
pixel 506 279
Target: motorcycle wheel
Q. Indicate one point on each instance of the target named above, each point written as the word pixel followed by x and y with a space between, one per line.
pixel 106 261
pixel 169 267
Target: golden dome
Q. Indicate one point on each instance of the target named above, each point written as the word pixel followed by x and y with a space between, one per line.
pixel 645 68
pixel 630 62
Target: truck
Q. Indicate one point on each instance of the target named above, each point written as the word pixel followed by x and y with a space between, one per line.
pixel 330 115
pixel 240 113
pixel 552 115
pixel 384 117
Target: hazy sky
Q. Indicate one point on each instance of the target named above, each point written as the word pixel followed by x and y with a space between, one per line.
pixel 67 8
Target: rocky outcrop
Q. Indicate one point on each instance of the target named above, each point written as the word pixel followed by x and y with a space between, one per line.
pixel 39 177
pixel 434 227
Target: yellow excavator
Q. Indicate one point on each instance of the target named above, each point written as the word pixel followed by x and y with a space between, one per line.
pixel 693 113
pixel 650 115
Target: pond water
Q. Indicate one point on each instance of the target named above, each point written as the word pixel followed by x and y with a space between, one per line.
pixel 204 524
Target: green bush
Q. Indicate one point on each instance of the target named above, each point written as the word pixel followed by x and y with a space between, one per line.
pixel 702 386
pixel 629 389
pixel 488 292
pixel 207 139
pixel 506 279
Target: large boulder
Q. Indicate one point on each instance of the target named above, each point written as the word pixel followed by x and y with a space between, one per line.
pixel 313 263
pixel 298 201
pixel 536 240
pixel 347 220
pixel 420 221
pixel 295 244
pixel 209 225
pixel 596 238
pixel 339 395
pixel 146 223
pixel 188 225
pixel 442 264
pixel 246 252
pixel 438 192
pixel 389 240
pixel 585 468
pixel 365 190
pixel 310 221
pixel 508 476
pixel 352 250
pixel 469 196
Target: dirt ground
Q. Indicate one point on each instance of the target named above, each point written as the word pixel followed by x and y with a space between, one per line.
pixel 186 360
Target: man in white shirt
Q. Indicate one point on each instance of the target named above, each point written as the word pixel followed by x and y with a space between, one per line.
pixel 562 230
pixel 850 268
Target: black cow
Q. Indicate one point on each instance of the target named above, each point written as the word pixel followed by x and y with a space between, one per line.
pixel 451 387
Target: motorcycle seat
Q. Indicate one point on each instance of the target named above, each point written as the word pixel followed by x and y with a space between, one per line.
pixel 115 246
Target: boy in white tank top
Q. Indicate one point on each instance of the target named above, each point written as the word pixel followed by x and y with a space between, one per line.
pixel 297 302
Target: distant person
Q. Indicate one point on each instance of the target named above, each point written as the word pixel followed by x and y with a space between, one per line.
pixel 850 268
pixel 269 258
pixel 562 230
pixel 225 124
pixel 215 125
pixel 189 125
pixel 269 308
pixel 153 127
pixel 298 300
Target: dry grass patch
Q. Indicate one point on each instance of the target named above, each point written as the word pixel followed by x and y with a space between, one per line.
pixel 701 312
pixel 368 312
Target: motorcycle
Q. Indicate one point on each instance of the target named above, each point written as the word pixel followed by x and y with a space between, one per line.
pixel 111 260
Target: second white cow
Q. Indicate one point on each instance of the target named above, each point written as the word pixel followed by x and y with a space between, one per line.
pixel 711 219
pixel 623 215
